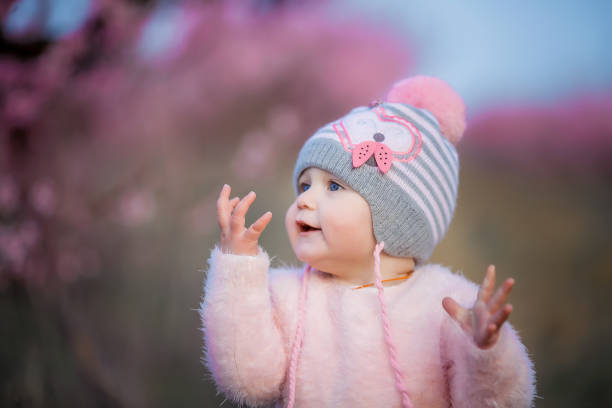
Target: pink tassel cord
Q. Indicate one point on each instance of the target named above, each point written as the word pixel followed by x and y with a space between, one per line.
pixel 299 336
pixel 399 377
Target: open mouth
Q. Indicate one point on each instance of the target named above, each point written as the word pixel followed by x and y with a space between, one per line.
pixel 304 227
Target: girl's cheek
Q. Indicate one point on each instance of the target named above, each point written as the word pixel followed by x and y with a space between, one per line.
pixel 290 226
pixel 355 231
pixel 343 229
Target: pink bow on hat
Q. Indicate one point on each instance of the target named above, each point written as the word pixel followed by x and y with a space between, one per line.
pixel 364 150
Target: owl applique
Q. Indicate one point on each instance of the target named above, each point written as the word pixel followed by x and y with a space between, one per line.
pixel 378 136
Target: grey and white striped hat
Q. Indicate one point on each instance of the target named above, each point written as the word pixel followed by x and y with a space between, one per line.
pixel 399 154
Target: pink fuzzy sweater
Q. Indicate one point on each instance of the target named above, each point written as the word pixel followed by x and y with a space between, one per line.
pixel 249 317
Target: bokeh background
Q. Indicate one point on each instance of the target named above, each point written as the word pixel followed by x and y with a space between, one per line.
pixel 121 119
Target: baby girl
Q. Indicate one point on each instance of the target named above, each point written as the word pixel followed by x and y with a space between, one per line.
pixel 367 322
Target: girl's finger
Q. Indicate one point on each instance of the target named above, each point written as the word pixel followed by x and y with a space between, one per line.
pixel 455 310
pixel 258 226
pixel 237 218
pixel 233 203
pixel 501 316
pixel 223 209
pixel 488 284
pixel 500 297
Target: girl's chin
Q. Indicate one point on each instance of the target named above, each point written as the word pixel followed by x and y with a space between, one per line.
pixel 310 258
pixel 318 263
pixel 307 258
pixel 308 250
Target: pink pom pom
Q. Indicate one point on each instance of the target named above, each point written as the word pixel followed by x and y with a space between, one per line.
pixel 438 98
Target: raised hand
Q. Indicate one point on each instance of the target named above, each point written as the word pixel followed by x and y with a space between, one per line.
pixel 235 238
pixel 484 320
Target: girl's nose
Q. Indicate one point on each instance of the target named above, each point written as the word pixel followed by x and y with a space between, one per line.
pixel 305 201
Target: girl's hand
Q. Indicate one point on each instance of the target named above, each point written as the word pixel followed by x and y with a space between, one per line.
pixel 235 238
pixel 484 319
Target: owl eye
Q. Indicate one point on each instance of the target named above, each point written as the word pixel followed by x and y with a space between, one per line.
pixel 379 137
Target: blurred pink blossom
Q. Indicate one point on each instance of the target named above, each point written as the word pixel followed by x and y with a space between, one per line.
pixel 573 134
pixel 14 250
pixel 43 197
pixel 198 220
pixel 16 245
pixel 136 208
pixel 254 156
pixel 284 122
pixel 9 194
pixel 98 132
pixel 36 272
pixel 29 233
pixel 68 265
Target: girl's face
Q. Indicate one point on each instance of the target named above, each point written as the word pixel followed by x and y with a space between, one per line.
pixel 330 226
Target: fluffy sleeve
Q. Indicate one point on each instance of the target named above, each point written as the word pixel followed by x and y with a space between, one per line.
pixel 500 377
pixel 244 348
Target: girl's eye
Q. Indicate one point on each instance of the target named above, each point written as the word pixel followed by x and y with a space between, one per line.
pixel 333 186
pixel 304 187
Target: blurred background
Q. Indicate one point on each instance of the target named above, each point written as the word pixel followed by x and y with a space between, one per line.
pixel 121 119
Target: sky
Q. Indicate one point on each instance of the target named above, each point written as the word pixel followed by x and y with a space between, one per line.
pixel 499 53
pixel 65 16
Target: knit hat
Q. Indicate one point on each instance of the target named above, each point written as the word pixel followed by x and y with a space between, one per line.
pixel 399 154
